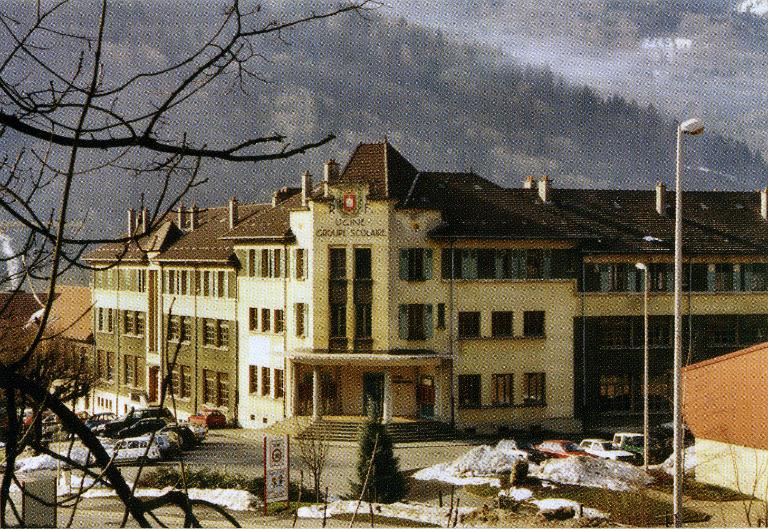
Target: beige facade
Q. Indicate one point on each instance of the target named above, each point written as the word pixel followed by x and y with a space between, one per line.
pixel 740 468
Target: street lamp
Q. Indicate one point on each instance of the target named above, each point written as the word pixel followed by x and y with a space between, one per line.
pixel 644 268
pixel 691 127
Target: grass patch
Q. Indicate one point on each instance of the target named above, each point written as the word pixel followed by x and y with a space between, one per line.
pixel 629 508
pixel 363 517
pixel 696 490
pixel 482 491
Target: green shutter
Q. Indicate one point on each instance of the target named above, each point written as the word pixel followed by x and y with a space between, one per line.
pixel 547 271
pixel 469 264
pixel 669 270
pixel 631 278
pixel 737 277
pixel 232 284
pixel 498 264
pixel 518 264
pixel 404 264
pixel 746 270
pixel 605 278
pixel 428 263
pixel 403 321
pixel 428 328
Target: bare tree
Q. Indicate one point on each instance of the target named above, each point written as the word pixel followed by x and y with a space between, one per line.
pixel 313 451
pixel 76 123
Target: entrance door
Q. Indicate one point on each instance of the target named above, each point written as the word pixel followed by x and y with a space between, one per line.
pixel 425 397
pixel 373 394
pixel 154 375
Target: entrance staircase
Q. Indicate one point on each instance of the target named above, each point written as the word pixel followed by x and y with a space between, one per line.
pixel 401 431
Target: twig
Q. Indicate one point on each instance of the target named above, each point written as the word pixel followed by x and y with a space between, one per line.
pixel 298 501
pixel 367 475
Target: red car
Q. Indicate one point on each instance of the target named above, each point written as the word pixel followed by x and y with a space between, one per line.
pixel 560 448
pixel 209 418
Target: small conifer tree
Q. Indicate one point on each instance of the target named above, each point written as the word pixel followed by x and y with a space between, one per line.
pixel 386 484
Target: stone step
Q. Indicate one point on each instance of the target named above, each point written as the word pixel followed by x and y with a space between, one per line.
pixel 400 432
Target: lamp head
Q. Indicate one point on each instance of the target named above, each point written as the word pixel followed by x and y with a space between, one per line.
pixel 641 266
pixel 692 127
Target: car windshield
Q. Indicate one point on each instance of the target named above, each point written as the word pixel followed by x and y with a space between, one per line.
pixel 571 447
pixel 605 445
pixel 634 441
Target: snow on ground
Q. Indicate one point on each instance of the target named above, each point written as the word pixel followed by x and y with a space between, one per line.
pixel 478 466
pixel 517 494
pixel 554 504
pixel 232 499
pixel 593 472
pixel 689 461
pixel 415 512
pixel 46 462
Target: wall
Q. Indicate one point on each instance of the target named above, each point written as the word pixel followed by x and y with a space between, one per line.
pixel 735 467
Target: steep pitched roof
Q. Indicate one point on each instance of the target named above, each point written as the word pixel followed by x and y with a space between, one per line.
pixel 136 251
pixel 379 165
pixel 70 315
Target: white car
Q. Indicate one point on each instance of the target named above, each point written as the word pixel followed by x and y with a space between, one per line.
pixel 133 450
pixel 604 449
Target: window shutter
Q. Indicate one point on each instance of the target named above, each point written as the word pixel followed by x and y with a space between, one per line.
pixel 711 278
pixel 737 277
pixel 403 321
pixel 605 278
pixel 669 271
pixel 403 264
pixel 469 264
pixel 232 284
pixel 428 327
pixel 428 263
pixel 547 265
pixel 747 273
pixel 518 264
pixel 631 278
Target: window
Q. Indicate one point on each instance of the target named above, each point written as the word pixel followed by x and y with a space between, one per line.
pixel 469 391
pixel 756 277
pixel 415 264
pixel 338 320
pixel 659 331
pixel 415 322
pixel 209 332
pixel 104 320
pixel 534 388
pixel 534 264
pixel 723 277
pixel 251 263
pixel 185 389
pixel 265 382
pixel 721 331
pixel 615 391
pixel 223 333
pixel 186 329
pixel 363 320
pixel 129 323
pixel 501 324
pixel 503 389
pixel 616 333
pixel 174 329
pixel 223 396
pixel 363 263
pixel 266 324
pixel 109 365
pixel 131 370
pixel 265 262
pixel 533 323
pixel 279 321
pixel 253 319
pixel 210 386
pixel 338 259
pixel 253 379
pixel 277 263
pixel 469 324
pixel 301 318
pixel 279 384
pixel 140 323
pixel 221 284
pixel 660 276
pixel 301 272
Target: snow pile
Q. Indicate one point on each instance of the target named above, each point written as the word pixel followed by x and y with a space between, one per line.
pixel 517 494
pixel 551 505
pixel 414 512
pixel 756 7
pixel 232 499
pixel 477 466
pixel 593 472
pixel 689 462
pixel 45 462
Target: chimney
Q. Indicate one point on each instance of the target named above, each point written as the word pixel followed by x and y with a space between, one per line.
pixel 764 203
pixel 528 182
pixel 144 222
pixel 306 188
pixel 661 198
pixel 193 217
pixel 233 213
pixel 131 221
pixel 544 189
pixel 180 220
pixel 331 171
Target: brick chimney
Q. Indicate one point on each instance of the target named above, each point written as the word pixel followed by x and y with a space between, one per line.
pixel 544 189
pixel 233 213
pixel 330 172
pixel 306 188
pixel 180 219
pixel 131 221
pixel 194 217
pixel 764 203
pixel 661 198
pixel 528 182
pixel 144 221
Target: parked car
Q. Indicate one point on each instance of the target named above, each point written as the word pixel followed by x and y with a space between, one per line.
pixel 629 441
pixel 99 418
pixel 168 443
pixel 51 426
pixel 604 449
pixel 134 450
pixel 186 437
pixel 200 431
pixel 209 418
pixel 560 448
pixel 111 428
pixel 141 427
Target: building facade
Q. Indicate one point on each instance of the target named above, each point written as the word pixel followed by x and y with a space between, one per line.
pixel 436 296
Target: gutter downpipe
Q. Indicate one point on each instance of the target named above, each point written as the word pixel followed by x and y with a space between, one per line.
pixel 451 350
pixel 583 339
pixel 286 275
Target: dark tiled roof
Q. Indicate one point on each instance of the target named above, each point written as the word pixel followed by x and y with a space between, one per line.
pixel 205 244
pixel 387 173
pixel 267 223
pixel 136 251
pixel 603 220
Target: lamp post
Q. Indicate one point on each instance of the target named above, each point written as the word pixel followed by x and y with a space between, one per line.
pixel 646 286
pixel 690 127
